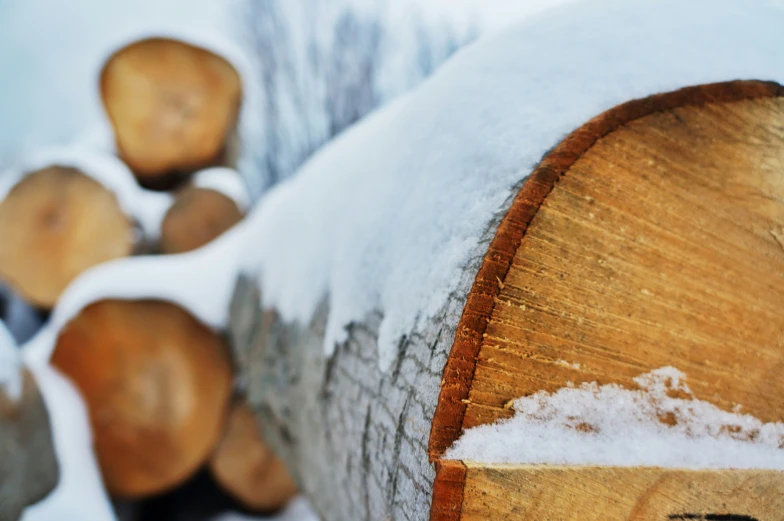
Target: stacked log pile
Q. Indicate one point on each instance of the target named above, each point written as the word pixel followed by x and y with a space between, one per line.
pixel 157 383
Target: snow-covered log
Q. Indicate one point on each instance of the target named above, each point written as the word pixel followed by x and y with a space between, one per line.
pixel 454 254
pixel 55 223
pixel 246 468
pixel 173 107
pixel 156 383
pixel 213 202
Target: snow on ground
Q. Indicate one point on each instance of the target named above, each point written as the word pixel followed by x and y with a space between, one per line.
pixel 226 181
pixel 79 493
pixel 386 216
pixel 609 425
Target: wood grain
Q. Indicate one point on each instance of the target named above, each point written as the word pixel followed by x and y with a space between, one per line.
pixel 651 236
pixel 173 107
pixel 620 494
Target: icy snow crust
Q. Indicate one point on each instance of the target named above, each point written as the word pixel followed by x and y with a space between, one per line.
pixel 660 424
pixel 386 216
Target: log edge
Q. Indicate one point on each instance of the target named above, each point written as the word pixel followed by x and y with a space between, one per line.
pixel 460 366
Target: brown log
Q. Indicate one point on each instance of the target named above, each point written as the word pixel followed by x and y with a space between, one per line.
pixel 197 217
pixel 173 106
pixel 55 224
pixel 246 468
pixel 652 236
pixel 28 464
pixel 156 383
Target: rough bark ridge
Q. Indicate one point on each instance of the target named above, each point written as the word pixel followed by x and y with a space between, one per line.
pixel 354 436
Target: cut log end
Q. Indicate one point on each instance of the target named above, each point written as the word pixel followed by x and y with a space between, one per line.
pixel 173 106
pixel 197 217
pixel 28 464
pixel 648 238
pixel 156 383
pixel 55 224
pixel 247 469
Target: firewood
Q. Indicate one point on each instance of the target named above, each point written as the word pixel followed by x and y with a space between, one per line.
pixel 651 236
pixel 156 383
pixel 246 467
pixel 202 211
pixel 173 106
pixel 54 224
pixel 28 464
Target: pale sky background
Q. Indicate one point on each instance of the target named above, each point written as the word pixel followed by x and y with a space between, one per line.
pixel 50 51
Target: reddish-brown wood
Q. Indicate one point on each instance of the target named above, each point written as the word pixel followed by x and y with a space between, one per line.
pixel 246 468
pixel 157 385
pixel 197 217
pixel 173 107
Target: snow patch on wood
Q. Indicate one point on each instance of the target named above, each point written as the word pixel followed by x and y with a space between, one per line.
pixel 661 424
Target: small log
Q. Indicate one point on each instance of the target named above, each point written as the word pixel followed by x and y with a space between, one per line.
pixel 246 468
pixel 199 215
pixel 156 383
pixel 54 224
pixel 28 464
pixel 651 236
pixel 173 106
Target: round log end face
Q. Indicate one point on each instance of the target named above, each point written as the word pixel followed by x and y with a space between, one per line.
pixel 156 383
pixel 247 469
pixel 28 464
pixel 173 106
pixel 652 236
pixel 197 217
pixel 55 224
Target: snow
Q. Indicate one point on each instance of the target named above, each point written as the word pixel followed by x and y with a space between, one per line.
pixel 147 207
pixel 10 365
pixel 226 181
pixel 298 509
pixel 21 319
pixel 79 493
pixel 387 215
pixel 609 425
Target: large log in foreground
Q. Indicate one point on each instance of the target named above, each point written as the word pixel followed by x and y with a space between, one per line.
pixel 157 385
pixel 54 224
pixel 651 236
pixel 173 107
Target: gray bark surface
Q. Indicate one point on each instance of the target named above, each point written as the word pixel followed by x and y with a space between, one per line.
pixel 28 464
pixel 355 437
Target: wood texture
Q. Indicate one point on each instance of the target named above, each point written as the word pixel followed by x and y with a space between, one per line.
pixel 28 463
pixel 173 106
pixel 197 217
pixel 246 468
pixel 649 237
pixel 55 224
pixel 157 385
pixel 620 494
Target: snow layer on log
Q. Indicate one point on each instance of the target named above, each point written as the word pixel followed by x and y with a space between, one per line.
pixel 147 207
pixel 10 365
pixel 659 425
pixel 385 217
pixel 79 493
pixel 227 181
